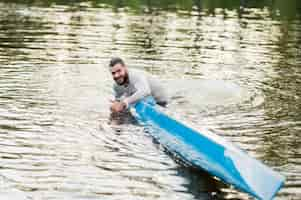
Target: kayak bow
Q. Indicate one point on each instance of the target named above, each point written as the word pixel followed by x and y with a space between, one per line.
pixel 210 152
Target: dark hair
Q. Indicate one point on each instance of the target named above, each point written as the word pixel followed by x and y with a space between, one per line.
pixel 115 61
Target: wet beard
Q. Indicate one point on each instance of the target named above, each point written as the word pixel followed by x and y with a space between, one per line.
pixel 125 81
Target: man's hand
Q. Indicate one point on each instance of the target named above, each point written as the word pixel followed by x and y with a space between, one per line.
pixel 117 106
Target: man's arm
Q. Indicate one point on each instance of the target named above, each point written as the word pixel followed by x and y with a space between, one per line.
pixel 118 93
pixel 142 90
pixel 117 104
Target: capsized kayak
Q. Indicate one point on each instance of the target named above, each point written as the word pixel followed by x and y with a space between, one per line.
pixel 210 152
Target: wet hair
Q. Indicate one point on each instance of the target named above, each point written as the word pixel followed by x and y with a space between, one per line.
pixel 115 61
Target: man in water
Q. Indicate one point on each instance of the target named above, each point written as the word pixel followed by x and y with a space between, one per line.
pixel 132 85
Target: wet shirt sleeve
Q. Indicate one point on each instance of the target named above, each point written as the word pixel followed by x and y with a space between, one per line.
pixel 118 93
pixel 142 87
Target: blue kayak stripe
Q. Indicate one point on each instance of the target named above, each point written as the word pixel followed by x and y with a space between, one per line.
pixel 211 153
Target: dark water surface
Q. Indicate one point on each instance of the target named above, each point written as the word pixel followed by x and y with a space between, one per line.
pixel 231 66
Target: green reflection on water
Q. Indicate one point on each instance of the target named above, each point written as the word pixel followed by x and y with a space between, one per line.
pixel 278 8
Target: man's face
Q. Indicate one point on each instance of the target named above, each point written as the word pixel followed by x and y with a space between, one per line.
pixel 119 73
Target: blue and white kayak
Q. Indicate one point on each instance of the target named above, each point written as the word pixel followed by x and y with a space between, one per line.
pixel 210 152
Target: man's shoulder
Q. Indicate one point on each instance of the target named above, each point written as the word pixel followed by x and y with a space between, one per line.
pixel 137 73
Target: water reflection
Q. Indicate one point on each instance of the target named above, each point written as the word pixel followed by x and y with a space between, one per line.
pixel 56 141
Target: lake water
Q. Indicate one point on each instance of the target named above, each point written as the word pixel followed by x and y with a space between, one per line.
pixel 230 66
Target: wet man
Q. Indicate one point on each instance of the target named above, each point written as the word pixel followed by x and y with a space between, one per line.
pixel 132 85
